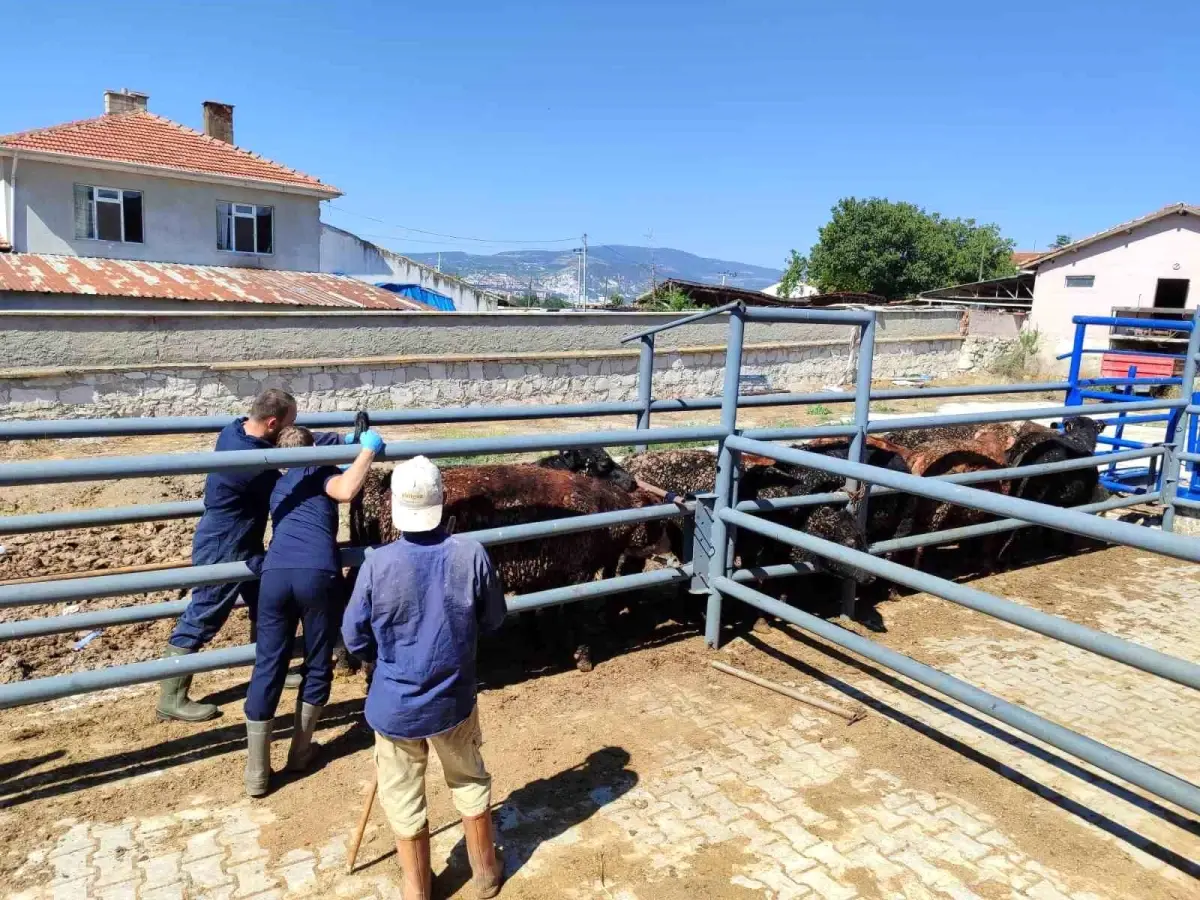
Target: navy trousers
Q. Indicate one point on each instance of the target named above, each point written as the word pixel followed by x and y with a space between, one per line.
pixel 287 598
pixel 207 611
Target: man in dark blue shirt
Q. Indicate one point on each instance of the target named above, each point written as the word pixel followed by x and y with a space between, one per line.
pixel 301 582
pixel 418 606
pixel 230 530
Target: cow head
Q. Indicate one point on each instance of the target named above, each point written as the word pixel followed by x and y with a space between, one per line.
pixel 594 462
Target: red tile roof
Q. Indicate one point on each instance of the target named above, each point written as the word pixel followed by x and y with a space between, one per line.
pixel 45 274
pixel 1021 257
pixel 1174 209
pixel 142 138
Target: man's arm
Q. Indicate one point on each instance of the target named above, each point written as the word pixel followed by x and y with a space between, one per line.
pixel 357 633
pixel 490 608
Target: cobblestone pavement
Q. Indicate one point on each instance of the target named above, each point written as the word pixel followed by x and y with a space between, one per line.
pixel 797 809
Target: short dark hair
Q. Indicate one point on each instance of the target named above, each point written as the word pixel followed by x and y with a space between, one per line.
pixel 272 403
pixel 294 436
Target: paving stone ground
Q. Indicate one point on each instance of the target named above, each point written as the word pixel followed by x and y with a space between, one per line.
pixel 752 795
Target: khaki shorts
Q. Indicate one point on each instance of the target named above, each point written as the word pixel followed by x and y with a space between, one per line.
pixel 401 771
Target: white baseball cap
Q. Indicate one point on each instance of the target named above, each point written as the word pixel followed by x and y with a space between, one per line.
pixel 417 495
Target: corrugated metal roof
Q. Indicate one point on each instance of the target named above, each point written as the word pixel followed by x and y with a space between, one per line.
pixel 45 274
pixel 143 138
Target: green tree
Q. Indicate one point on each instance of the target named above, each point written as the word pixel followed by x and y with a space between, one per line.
pixel 896 250
pixel 615 300
pixel 1061 241
pixel 795 273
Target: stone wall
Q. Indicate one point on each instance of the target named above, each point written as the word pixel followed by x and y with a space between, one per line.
pixel 448 380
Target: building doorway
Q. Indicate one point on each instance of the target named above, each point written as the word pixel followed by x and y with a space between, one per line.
pixel 1171 293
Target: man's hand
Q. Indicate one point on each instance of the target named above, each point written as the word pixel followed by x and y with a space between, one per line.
pixel 371 440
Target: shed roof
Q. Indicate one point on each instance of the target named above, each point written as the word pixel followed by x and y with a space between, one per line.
pixel 1174 209
pixel 46 274
pixel 141 138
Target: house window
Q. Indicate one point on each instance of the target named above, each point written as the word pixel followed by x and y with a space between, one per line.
pixel 244 228
pixel 1081 280
pixel 108 214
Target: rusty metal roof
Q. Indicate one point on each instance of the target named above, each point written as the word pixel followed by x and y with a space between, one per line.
pixel 45 274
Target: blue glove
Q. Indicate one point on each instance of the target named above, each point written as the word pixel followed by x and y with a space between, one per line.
pixel 372 440
pixel 349 439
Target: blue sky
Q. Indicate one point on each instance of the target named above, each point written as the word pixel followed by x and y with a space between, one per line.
pixel 728 129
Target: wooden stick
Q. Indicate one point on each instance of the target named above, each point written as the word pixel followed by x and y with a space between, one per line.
pixel 91 573
pixel 352 856
pixel 846 714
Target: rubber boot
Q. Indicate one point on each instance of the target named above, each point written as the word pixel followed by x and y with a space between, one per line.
pixel 300 753
pixel 415 868
pixel 294 680
pixel 258 758
pixel 173 702
pixel 486 869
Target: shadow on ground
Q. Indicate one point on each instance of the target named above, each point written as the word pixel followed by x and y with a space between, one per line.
pixel 1070 805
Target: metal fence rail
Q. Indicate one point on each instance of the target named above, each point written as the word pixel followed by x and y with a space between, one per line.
pixel 712 569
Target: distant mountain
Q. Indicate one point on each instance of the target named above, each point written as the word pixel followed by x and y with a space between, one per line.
pixel 611 268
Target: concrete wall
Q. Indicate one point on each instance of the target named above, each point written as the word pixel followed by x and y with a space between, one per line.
pixel 40 340
pixel 343 253
pixel 179 219
pixel 107 364
pixel 437 381
pixel 1126 268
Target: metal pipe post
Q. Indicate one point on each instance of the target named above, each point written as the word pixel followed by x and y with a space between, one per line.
pixel 859 493
pixel 645 386
pixel 1177 435
pixel 1073 398
pixel 1156 781
pixel 686 320
pixel 722 538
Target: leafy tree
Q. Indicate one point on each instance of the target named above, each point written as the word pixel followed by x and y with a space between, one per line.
pixel 615 300
pixel 1061 241
pixel 532 301
pixel 795 273
pixel 897 250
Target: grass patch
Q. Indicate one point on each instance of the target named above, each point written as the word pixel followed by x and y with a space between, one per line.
pixel 820 410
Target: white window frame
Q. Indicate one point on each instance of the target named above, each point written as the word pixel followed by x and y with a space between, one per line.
pixel 234 213
pixel 1067 279
pixel 120 201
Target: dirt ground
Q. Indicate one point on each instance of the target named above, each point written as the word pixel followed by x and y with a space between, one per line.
pixel 652 776
pixel 581 761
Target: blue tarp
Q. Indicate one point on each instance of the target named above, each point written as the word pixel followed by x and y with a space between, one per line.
pixel 421 295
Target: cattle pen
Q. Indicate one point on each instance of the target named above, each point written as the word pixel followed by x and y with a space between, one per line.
pixel 716 517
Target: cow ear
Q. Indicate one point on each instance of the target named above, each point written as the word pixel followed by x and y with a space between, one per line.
pixel 568 456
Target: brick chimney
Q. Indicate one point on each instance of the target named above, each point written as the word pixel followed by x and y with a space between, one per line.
pixel 124 101
pixel 218 120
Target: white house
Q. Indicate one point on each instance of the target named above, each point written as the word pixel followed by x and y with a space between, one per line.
pixel 133 185
pixel 1150 263
pixel 129 210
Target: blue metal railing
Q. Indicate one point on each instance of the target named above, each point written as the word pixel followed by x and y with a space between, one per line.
pixel 1150 478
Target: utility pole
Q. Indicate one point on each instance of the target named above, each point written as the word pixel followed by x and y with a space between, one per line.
pixel 727 274
pixel 439 260
pixel 584 288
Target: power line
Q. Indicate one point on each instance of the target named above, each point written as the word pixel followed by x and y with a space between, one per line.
pixel 456 237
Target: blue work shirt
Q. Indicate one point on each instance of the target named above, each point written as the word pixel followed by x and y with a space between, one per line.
pixel 236 503
pixel 418 606
pixel 304 521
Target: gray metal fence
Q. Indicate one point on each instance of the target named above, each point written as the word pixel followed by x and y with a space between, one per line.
pixel 717 517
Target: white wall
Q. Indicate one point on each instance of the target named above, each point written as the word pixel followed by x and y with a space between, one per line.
pixel 1126 267
pixel 5 164
pixel 179 219
pixel 343 253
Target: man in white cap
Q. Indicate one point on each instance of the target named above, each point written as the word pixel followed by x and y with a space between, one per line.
pixel 418 607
